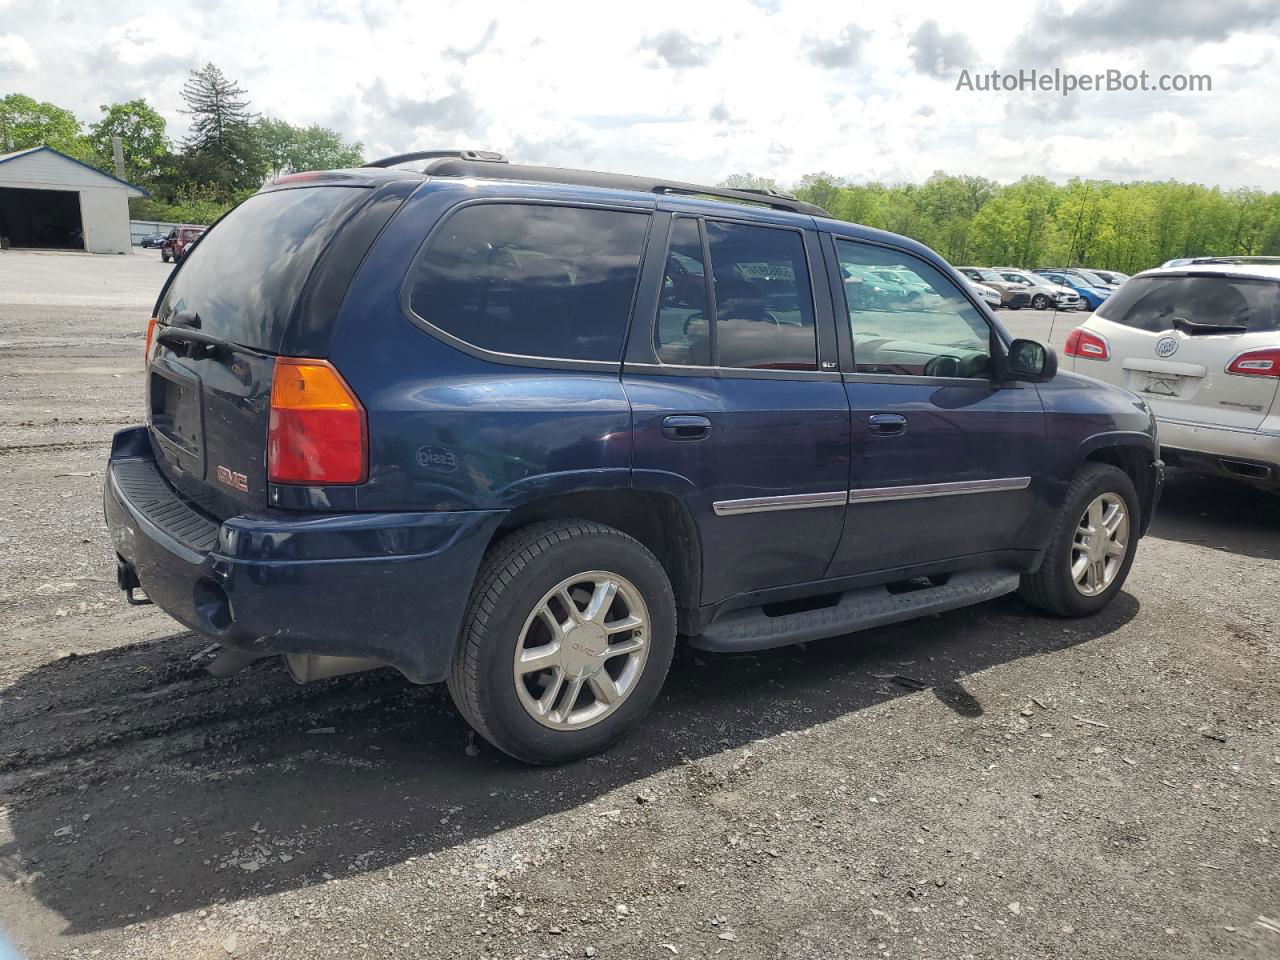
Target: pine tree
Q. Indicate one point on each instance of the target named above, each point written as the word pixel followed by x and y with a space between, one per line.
pixel 222 146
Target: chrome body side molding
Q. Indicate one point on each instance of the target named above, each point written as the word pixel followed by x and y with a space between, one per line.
pixel 838 498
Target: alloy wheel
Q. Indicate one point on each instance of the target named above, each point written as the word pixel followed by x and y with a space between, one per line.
pixel 1101 541
pixel 582 650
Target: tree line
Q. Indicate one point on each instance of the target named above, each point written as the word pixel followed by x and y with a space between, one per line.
pixel 228 153
pixel 1037 223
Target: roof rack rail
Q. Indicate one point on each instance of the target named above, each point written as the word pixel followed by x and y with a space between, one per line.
pixel 1240 259
pixel 485 156
pixel 451 164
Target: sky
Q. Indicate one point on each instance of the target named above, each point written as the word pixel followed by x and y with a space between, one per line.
pixel 698 91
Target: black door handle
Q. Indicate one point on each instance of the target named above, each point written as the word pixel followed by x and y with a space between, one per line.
pixel 686 427
pixel 887 424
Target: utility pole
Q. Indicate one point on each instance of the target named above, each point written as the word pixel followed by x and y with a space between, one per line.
pixel 117 153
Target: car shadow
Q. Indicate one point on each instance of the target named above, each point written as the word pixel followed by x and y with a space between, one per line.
pixel 138 786
pixel 1220 513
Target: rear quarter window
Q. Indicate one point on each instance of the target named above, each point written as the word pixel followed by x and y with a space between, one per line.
pixel 532 280
pixel 1152 303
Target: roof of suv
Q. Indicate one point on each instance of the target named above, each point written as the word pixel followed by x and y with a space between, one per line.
pixel 1258 268
pixel 486 165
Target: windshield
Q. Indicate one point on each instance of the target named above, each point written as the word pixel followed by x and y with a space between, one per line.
pixel 1153 303
pixel 989 276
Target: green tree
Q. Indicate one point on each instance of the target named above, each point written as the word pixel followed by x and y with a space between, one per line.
pixel 222 148
pixel 822 189
pixel 26 122
pixel 290 149
pixel 141 131
pixel 749 181
pixel 189 203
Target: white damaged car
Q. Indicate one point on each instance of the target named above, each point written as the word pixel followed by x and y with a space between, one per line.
pixel 1200 342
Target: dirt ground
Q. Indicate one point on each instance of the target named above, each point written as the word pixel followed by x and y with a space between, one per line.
pixel 991 783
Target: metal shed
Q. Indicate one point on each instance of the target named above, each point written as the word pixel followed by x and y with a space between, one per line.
pixel 52 201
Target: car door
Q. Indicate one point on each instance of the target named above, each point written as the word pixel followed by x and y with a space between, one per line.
pixel 943 459
pixel 738 406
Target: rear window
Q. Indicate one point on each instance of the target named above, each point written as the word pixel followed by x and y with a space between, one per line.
pixel 245 275
pixel 532 280
pixel 1152 303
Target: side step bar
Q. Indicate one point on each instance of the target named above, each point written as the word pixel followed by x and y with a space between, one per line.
pixel 751 629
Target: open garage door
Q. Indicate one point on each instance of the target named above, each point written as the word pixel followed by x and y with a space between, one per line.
pixel 41 218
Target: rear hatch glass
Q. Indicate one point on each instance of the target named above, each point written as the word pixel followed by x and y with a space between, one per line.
pixel 244 278
pixel 1195 304
pixel 220 322
pixel 1175 334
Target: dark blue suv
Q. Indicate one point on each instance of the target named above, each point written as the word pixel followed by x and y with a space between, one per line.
pixel 517 428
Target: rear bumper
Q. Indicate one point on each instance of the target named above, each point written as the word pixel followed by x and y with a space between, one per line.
pixel 389 586
pixel 1245 454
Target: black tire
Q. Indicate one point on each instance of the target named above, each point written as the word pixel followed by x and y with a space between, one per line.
pixel 1052 587
pixel 514 577
pixel 164 256
pixel 1040 302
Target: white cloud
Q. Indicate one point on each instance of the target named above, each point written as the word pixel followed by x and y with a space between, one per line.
pixel 704 90
pixel 15 53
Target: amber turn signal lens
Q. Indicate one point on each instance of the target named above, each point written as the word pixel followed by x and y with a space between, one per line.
pixel 317 434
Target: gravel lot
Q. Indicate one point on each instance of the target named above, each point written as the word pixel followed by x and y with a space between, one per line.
pixel 989 783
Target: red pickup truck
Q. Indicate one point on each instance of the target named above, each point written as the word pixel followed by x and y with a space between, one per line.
pixel 178 242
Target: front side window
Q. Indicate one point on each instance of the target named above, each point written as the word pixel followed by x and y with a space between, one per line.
pixel 531 279
pixel 919 324
pixel 763 298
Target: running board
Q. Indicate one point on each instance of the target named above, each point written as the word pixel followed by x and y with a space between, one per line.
pixel 751 629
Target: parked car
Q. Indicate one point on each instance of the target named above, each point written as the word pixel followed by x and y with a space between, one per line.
pixel 447 419
pixel 1093 297
pixel 990 295
pixel 1088 277
pixel 178 242
pixel 881 283
pixel 1113 277
pixel 153 240
pixel 1015 298
pixel 1044 294
pixel 1201 343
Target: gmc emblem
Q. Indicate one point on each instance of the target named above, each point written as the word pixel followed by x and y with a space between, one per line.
pixel 236 481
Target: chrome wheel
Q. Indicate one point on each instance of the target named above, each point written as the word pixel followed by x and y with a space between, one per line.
pixel 582 650
pixel 1102 538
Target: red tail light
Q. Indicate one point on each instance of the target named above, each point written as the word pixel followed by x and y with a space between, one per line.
pixel 151 335
pixel 1257 363
pixel 317 434
pixel 1087 344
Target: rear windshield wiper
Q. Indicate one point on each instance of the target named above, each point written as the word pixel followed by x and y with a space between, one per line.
pixel 1195 326
pixel 198 343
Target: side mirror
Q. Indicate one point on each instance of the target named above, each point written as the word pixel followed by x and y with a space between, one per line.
pixel 1031 362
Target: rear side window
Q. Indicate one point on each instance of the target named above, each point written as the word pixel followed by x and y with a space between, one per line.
pixel 245 276
pixel 531 279
pixel 1153 303
pixel 683 334
pixel 764 302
